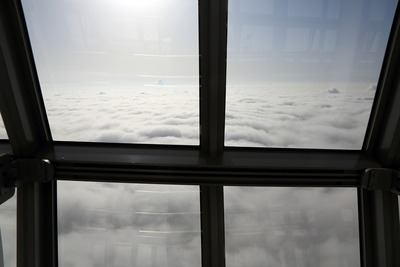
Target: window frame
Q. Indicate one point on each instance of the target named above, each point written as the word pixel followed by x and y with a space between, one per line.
pixel 210 165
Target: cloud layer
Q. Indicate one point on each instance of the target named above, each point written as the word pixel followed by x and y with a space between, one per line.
pixel 103 224
pixel 118 225
pixel 278 115
pixel 298 116
pixel 106 224
pixel 291 227
pixel 156 115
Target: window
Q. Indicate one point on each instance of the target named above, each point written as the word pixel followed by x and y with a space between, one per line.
pixel 303 74
pixel 118 71
pixel 108 224
pixel 228 205
pixel 291 226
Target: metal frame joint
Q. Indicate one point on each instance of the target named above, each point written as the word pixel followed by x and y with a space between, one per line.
pixel 15 171
pixel 381 179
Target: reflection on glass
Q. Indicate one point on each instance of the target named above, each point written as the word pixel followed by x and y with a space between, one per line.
pixel 303 73
pixel 291 227
pixel 118 70
pixel 8 231
pixel 3 133
pixel 108 224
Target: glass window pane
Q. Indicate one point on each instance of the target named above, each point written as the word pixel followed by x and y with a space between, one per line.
pixel 303 73
pixel 291 227
pixel 108 224
pixel 118 70
pixel 3 133
pixel 8 231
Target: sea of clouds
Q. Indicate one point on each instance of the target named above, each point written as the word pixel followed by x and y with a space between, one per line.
pixel 105 224
pixel 298 116
pixel 108 224
pixel 278 115
pixel 154 115
pixel 102 224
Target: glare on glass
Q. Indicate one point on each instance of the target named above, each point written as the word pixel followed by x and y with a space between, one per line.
pixel 118 70
pixel 3 133
pixel 296 227
pixel 303 73
pixel 8 232
pixel 108 224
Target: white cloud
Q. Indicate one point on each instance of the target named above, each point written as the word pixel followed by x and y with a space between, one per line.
pixel 102 224
pixel 277 115
pixel 155 116
pixel 120 224
pixel 287 115
pixel 291 226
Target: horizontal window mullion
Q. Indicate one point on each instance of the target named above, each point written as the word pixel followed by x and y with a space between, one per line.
pixel 190 157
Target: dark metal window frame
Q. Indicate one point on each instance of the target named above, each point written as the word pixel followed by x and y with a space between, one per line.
pixel 211 165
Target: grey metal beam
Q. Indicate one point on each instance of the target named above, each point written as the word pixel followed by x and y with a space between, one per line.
pixel 5 148
pixel 26 123
pixel 213 47
pixel 379 214
pixel 379 220
pixel 186 165
pixel 21 102
pixel 212 221
pixel 383 132
pixel 166 175
pixel 180 156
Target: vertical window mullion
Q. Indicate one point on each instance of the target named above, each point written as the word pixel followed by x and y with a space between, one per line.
pixel 212 226
pixel 213 47
pixel 379 221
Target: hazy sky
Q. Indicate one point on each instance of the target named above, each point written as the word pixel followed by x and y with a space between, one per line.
pixel 307 41
pixel 114 42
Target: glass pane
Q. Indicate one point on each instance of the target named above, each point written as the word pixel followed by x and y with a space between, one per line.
pixel 294 227
pixel 3 133
pixel 118 70
pixel 8 231
pixel 303 73
pixel 108 224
